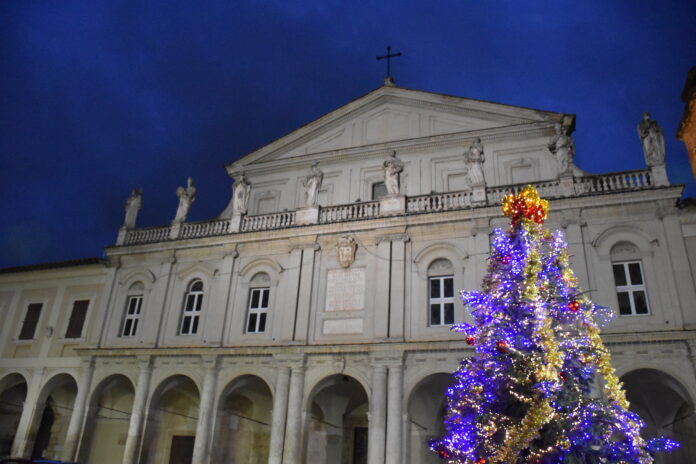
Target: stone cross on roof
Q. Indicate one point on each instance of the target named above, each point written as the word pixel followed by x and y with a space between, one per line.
pixel 388 79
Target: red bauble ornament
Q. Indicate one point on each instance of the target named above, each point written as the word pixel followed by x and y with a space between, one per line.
pixel 443 454
pixel 563 376
pixel 470 339
pixel 506 259
pixel 574 306
pixel 502 346
pixel 481 461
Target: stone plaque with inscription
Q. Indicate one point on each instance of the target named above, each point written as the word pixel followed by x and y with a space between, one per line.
pixel 343 326
pixel 345 290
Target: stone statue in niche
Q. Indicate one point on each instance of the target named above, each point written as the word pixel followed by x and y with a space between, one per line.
pixel 312 184
pixel 474 159
pixel 133 204
pixel 240 194
pixel 186 198
pixel 346 250
pixel 653 141
pixel 563 149
pixel 392 167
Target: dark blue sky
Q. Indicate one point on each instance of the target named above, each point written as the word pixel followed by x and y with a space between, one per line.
pixel 98 97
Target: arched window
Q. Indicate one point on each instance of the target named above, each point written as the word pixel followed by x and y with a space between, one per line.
pixel 441 292
pixel 134 304
pixel 257 308
pixel 193 301
pixel 629 279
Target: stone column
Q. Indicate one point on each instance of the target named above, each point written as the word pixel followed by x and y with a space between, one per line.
pixel 77 418
pixel 378 415
pixel 201 447
pixel 135 427
pixel 28 422
pixel 293 431
pixel 394 416
pixel 280 410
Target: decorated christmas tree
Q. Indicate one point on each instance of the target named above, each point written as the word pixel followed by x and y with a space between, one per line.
pixel 539 388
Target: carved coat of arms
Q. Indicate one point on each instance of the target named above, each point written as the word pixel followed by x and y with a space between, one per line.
pixel 346 251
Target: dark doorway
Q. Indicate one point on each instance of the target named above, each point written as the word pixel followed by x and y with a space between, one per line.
pixel 360 445
pixel 43 435
pixel 182 449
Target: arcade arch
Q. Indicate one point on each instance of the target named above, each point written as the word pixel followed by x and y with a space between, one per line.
pixel 667 410
pixel 243 422
pixel 172 417
pixel 426 409
pixel 108 417
pixel 53 411
pixel 13 391
pixel 337 424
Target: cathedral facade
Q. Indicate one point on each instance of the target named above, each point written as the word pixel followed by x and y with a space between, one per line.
pixel 310 321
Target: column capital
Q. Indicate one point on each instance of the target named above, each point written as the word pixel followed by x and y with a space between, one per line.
pixel 210 363
pixel 87 362
pixel 144 362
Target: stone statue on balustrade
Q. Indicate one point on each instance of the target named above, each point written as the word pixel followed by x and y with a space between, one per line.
pixel 653 141
pixel 392 167
pixel 186 198
pixel 563 149
pixel 240 194
pixel 132 206
pixel 312 184
pixel 240 197
pixel 474 159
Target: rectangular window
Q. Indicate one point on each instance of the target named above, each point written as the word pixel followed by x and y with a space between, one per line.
pixel 130 322
pixel 258 310
pixel 77 319
pixel 630 288
pixel 441 300
pixel 192 313
pixel 31 320
pixel 379 190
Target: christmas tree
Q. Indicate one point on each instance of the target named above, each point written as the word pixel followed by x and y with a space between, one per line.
pixel 526 395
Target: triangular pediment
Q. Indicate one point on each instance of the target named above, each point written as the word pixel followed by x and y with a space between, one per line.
pixel 390 114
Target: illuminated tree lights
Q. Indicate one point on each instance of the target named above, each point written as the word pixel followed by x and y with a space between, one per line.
pixel 525 396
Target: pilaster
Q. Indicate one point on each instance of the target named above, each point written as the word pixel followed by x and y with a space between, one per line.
pixel 77 418
pixel 135 426
pixel 378 414
pixel 280 410
pixel 293 430
pixel 201 447
pixel 29 421
pixel 395 396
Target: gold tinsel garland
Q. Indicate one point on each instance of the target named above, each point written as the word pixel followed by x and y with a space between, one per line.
pixel 541 411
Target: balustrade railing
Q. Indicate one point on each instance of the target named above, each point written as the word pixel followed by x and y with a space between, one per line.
pixel 151 235
pixel 350 212
pixel 546 189
pixel 438 202
pixel 268 221
pixel 586 185
pixel 614 182
pixel 204 229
